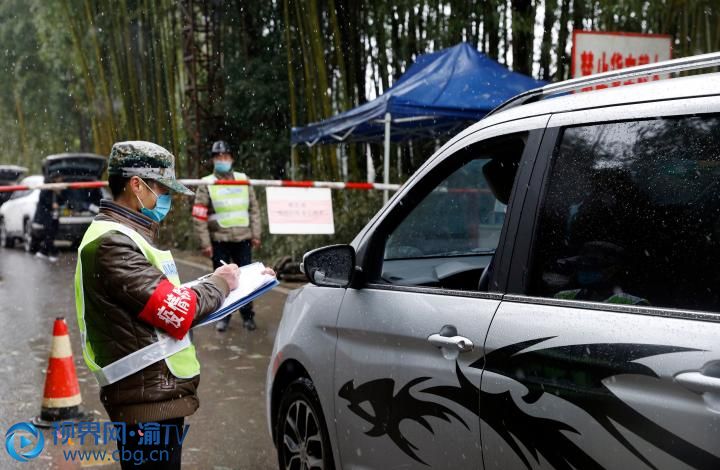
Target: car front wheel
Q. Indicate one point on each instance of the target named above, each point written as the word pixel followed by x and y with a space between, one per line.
pixel 5 239
pixel 303 442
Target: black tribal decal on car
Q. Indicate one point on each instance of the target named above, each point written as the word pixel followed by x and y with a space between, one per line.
pixel 554 371
pixel 389 410
pixel 538 435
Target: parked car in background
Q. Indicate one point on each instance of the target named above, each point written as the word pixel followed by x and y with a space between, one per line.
pixel 17 213
pixel 76 211
pixel 580 329
pixel 10 174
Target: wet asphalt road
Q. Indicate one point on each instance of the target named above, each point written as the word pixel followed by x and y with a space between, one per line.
pixel 229 431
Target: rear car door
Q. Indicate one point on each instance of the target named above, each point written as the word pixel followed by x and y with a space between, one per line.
pixel 606 351
pixel 409 350
pixel 78 206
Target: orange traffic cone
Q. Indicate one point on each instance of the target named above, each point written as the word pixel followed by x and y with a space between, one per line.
pixel 61 399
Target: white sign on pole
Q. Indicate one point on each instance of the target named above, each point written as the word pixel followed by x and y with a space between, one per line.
pixel 300 211
pixel 595 52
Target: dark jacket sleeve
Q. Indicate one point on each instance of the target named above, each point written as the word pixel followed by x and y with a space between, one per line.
pixel 255 220
pixel 130 280
pixel 211 294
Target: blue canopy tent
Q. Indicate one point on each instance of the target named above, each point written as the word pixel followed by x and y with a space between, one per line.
pixel 440 92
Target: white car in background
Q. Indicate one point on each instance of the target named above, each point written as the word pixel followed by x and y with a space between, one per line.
pixel 79 206
pixel 17 213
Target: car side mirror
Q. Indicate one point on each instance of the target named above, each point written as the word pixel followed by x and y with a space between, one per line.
pixel 330 266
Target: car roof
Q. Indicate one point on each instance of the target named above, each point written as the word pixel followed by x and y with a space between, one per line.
pixel 656 90
pixel 13 168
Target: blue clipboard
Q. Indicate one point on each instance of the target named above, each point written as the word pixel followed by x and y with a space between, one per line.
pixel 253 284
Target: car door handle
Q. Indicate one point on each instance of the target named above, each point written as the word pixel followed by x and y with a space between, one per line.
pixel 698 382
pixel 460 343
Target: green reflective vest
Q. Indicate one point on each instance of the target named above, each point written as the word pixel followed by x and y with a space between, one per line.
pixel 179 356
pixel 231 203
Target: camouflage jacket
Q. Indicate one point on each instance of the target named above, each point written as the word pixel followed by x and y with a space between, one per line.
pixel 209 231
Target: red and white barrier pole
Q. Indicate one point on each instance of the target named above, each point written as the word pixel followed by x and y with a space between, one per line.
pixel 199 182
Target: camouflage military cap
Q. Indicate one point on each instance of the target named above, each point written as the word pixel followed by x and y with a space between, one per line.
pixel 146 160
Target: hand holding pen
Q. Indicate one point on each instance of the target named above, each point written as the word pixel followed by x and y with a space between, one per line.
pixel 229 272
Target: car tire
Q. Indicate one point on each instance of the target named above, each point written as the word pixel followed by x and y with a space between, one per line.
pixel 303 442
pixel 6 240
pixel 30 243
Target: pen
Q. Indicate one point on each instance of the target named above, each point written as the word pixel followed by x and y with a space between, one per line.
pixel 202 278
pixel 225 264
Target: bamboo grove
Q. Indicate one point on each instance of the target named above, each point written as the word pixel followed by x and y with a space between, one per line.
pixel 80 74
pixel 115 62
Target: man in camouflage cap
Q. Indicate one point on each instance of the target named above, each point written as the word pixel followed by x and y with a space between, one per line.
pixel 129 298
pixel 146 160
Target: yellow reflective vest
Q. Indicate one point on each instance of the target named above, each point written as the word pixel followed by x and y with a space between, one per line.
pixel 179 355
pixel 231 203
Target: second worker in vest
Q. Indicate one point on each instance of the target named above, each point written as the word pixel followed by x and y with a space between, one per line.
pixel 227 221
pixel 129 299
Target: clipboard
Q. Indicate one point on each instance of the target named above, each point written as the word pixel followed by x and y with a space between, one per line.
pixel 253 284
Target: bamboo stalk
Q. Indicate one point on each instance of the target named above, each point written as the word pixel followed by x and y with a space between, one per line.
pixel 136 106
pixel 108 119
pixel 291 85
pixel 99 142
pixel 23 132
pixel 344 97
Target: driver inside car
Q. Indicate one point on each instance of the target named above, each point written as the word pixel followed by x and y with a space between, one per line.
pixel 598 273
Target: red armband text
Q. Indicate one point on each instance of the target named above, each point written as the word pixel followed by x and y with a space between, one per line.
pixel 171 309
pixel 200 212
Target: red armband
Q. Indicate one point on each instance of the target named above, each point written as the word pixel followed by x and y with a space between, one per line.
pixel 200 212
pixel 171 309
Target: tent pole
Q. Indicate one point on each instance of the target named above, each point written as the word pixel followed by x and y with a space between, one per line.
pixel 292 163
pixel 386 159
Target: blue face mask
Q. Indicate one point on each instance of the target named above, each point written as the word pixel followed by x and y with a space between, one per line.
pixel 222 167
pixel 162 206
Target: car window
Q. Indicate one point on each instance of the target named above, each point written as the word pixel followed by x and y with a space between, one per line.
pixel 19 194
pixel 450 235
pixel 631 215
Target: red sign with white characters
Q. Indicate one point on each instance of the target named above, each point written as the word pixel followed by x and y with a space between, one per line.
pixel 596 52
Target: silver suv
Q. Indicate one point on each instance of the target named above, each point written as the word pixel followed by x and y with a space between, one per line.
pixel 542 293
